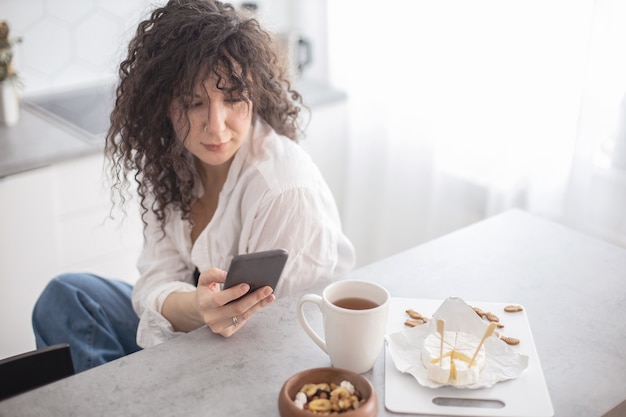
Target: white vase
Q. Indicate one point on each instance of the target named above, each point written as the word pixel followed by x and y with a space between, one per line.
pixel 9 103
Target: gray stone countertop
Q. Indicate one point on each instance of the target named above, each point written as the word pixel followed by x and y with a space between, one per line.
pixel 37 141
pixel 571 286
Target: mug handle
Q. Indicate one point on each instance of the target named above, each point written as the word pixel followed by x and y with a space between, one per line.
pixel 315 299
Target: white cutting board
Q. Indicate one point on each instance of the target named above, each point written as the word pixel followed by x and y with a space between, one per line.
pixel 526 396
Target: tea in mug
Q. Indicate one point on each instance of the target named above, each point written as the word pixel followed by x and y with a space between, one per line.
pixel 355 303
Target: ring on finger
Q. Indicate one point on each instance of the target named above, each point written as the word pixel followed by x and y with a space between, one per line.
pixel 235 321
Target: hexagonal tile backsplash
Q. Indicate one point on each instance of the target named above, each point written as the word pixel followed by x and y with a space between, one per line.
pixel 71 42
pixel 68 43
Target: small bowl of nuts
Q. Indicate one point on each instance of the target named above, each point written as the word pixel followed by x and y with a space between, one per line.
pixel 321 391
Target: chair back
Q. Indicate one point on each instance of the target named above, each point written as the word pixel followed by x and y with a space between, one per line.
pixel 30 370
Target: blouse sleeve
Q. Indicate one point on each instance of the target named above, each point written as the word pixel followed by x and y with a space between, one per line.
pixel 163 269
pixel 305 222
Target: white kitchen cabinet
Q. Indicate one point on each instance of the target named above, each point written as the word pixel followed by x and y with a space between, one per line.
pixel 27 255
pixel 87 238
pixel 54 220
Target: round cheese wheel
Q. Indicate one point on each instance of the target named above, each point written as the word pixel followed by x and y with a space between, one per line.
pixel 454 368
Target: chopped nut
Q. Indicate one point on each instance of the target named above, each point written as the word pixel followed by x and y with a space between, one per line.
pixel 510 340
pixel 478 311
pixel 492 317
pixel 413 322
pixel 414 314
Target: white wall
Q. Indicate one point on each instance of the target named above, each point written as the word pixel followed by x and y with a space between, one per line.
pixel 69 42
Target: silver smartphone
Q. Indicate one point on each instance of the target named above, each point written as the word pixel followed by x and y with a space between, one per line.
pixel 258 269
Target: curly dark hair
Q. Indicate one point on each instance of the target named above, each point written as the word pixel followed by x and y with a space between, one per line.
pixel 179 45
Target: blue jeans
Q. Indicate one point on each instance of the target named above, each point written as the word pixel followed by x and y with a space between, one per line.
pixel 92 314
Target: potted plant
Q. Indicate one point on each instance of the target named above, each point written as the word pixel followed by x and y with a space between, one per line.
pixel 9 82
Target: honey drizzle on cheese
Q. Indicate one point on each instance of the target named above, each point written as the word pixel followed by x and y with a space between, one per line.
pixel 453 354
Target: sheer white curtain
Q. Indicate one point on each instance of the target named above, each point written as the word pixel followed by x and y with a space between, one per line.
pixel 596 193
pixel 462 109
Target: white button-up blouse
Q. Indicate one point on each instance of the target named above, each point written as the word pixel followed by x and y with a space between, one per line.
pixel 274 197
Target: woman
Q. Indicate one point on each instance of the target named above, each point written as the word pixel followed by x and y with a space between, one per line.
pixel 206 123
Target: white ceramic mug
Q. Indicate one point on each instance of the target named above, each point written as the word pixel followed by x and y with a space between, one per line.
pixel 353 336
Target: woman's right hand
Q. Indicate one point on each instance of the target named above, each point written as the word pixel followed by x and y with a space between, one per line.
pixel 209 305
pixel 213 304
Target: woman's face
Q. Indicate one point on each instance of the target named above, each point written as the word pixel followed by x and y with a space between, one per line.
pixel 218 123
